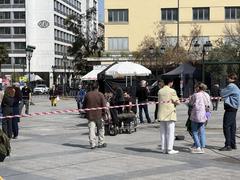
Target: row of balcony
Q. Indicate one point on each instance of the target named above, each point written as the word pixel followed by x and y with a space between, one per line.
pixel 10 36
pixel 63 40
pixel 12 6
pixel 4 21
pixel 66 1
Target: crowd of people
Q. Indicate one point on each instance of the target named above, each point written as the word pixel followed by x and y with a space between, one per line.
pixel 199 112
pixel 13 99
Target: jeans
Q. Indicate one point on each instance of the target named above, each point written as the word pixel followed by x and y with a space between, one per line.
pixel 215 104
pixel 145 108
pixel 25 102
pixel 229 127
pixel 15 121
pixel 199 136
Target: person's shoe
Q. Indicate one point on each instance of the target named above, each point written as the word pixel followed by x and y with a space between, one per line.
pixel 102 145
pixel 172 152
pixel 234 147
pixel 15 137
pixel 197 151
pixel 226 148
pixel 93 147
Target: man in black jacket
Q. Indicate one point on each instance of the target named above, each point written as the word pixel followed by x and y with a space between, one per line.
pixel 142 96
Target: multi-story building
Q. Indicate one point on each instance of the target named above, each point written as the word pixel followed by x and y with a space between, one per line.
pixel 40 23
pixel 128 21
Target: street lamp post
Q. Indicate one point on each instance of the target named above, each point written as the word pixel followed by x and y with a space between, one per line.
pixel 162 51
pixel 29 52
pixel 100 46
pixel 205 49
pixel 64 76
pixel 151 50
pixel 54 67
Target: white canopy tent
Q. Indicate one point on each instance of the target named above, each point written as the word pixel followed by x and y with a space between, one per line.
pixel 122 69
pixel 34 77
pixel 125 69
pixel 92 75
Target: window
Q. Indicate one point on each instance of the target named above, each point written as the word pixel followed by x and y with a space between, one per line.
pixel 118 44
pixel 118 15
pixel 20 45
pixel 19 1
pixel 20 60
pixel 19 15
pixel 6 44
pixel 169 14
pixel 5 15
pixel 232 12
pixel 19 30
pixel 202 39
pixel 5 30
pixel 4 1
pixel 200 14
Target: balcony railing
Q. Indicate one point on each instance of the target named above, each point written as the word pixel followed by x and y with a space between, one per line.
pixel 10 36
pixel 12 6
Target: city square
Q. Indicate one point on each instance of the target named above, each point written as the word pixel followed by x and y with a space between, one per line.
pixel 56 147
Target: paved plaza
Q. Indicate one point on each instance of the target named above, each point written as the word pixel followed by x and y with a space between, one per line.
pixel 56 147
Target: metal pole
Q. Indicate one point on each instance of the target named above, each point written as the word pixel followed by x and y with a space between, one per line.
pixel 14 74
pixel 178 24
pixel 203 65
pixel 29 59
pixel 64 84
pixel 156 69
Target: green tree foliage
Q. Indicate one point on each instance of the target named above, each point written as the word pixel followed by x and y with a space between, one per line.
pixel 3 56
pixel 86 40
pixel 219 55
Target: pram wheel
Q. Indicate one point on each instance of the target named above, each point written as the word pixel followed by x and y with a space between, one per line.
pixel 113 130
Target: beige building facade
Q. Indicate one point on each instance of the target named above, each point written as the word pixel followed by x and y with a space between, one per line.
pixel 127 22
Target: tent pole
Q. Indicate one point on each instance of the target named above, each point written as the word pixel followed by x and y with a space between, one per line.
pixel 181 85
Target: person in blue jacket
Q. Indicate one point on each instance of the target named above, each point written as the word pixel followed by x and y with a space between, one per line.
pixel 80 96
pixel 231 97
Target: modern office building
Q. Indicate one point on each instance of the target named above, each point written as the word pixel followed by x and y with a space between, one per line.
pixel 128 21
pixel 40 23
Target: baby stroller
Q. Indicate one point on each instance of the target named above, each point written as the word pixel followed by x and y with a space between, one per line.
pixel 128 119
pixel 120 120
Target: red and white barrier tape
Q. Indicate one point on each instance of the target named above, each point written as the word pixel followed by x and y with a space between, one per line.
pixel 91 109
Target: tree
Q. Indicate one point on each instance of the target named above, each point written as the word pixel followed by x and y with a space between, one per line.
pixel 174 54
pixel 3 56
pixel 86 39
pixel 219 55
pixel 232 34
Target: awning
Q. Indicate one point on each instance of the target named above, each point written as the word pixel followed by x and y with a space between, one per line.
pixel 92 75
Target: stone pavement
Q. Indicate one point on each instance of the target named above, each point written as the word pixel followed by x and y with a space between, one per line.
pixel 56 147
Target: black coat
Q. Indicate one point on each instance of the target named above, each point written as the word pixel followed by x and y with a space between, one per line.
pixel 7 105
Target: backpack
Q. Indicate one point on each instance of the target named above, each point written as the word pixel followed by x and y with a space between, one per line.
pixel 5 147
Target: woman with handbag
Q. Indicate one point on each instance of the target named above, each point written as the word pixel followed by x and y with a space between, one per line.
pixel 200 106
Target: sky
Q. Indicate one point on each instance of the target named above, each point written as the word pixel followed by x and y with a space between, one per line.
pixel 101 10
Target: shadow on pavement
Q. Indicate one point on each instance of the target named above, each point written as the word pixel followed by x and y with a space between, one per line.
pixel 77 145
pixel 86 133
pixel 142 150
pixel 82 125
pixel 213 147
